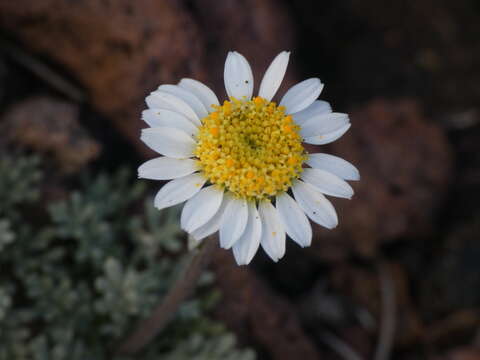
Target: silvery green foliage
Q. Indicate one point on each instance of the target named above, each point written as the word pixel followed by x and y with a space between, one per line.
pixel 6 234
pixel 19 177
pixel 76 278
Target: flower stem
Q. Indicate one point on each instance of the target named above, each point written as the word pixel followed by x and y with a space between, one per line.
pixel 148 328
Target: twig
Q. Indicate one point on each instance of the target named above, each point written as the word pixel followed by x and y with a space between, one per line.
pixel 148 328
pixel 340 346
pixel 388 310
pixel 42 71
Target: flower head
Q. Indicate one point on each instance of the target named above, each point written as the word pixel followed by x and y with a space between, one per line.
pixel 241 165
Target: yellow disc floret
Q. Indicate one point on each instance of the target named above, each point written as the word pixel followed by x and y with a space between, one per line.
pixel 250 148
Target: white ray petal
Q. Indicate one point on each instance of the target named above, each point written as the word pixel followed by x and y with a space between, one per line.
pixel 333 164
pixel 323 124
pixel 318 107
pixel 315 205
pixel 238 76
pixel 163 100
pixel 187 96
pixel 234 222
pixel 170 142
pixel 165 168
pixel 327 183
pixel 201 91
pixel 273 76
pixel 212 225
pixel 294 220
pixel 200 208
pixel 179 190
pixel 246 247
pixel 328 137
pixel 273 233
pixel 169 118
pixel 301 95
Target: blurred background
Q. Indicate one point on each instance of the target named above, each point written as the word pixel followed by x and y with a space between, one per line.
pixel 83 255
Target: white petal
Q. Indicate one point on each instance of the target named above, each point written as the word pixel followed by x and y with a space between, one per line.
pixel 327 183
pixel 246 247
pixel 273 76
pixel 201 91
pixel 238 76
pixel 177 191
pixel 323 124
pixel 163 100
pixel 170 142
pixel 333 164
pixel 301 95
pixel 212 225
pixel 201 208
pixel 169 118
pixel 318 107
pixel 315 205
pixel 273 233
pixel 165 168
pixel 294 220
pixel 186 96
pixel 328 137
pixel 234 222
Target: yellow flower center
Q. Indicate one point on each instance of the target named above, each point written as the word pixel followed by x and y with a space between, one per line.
pixel 250 148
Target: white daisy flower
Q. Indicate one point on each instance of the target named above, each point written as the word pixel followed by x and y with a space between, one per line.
pixel 241 166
